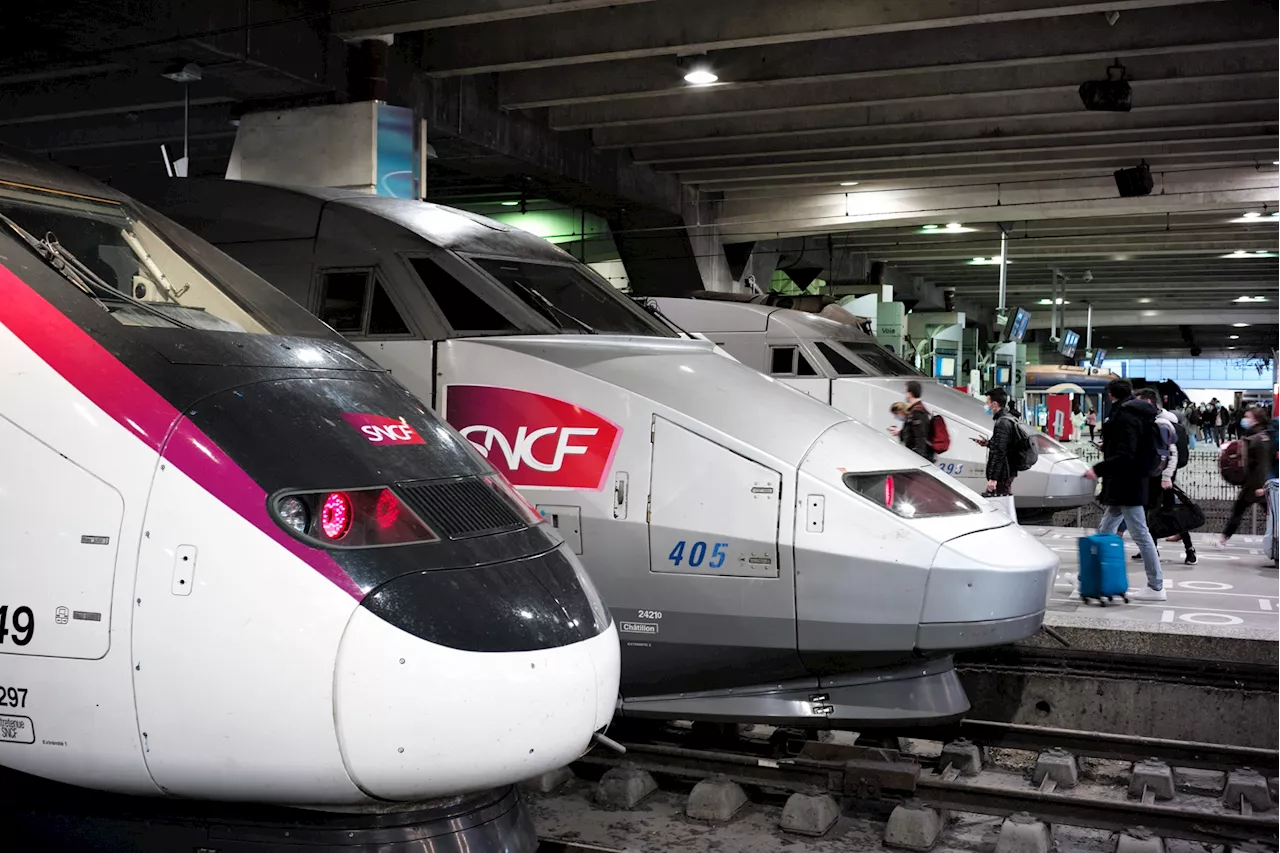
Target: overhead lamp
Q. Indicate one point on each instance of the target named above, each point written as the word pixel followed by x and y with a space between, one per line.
pixel 985 261
pixel 511 204
pixel 1240 325
pixel 182 72
pixel 1233 337
pixel 1230 347
pixel 1253 214
pixel 928 227
pixel 697 70
pixel 842 183
pixel 1145 300
pixel 1058 301
pixel 954 226
pixel 1250 299
pixel 1119 347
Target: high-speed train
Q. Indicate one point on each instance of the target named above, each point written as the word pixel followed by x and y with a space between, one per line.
pixel 764 556
pixel 238 561
pixel 840 364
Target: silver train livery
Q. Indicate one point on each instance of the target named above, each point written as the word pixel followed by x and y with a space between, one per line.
pixel 765 556
pixel 239 562
pixel 840 364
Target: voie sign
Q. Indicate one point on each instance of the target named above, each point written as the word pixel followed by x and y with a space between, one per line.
pixel 534 440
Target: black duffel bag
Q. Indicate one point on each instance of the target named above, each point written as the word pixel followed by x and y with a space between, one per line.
pixel 1175 514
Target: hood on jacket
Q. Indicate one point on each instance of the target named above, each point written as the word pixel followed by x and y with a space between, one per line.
pixel 1167 416
pixel 1140 407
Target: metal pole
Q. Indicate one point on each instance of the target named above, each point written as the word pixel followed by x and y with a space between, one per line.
pixel 1088 328
pixel 1053 307
pixel 1004 261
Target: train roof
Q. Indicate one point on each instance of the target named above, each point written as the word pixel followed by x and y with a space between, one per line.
pixel 19 167
pixel 226 211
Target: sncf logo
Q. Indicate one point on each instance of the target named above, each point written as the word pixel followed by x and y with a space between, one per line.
pixel 534 440
pixel 380 430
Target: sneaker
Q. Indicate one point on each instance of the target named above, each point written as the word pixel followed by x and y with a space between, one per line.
pixel 1191 557
pixel 1220 543
pixel 1149 594
pixel 1137 556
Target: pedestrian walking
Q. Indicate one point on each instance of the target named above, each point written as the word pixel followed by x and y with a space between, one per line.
pixel 1130 457
pixel 915 433
pixel 1258 458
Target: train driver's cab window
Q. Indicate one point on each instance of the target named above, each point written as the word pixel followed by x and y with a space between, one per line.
pixel 356 302
pixel 463 310
pixel 839 363
pixel 789 361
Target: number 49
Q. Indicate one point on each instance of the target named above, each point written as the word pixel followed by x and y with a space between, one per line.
pixel 24 624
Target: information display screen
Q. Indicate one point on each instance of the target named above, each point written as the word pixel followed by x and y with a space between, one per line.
pixel 1016 329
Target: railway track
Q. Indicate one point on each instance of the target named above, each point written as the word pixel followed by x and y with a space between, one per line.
pixel 875 778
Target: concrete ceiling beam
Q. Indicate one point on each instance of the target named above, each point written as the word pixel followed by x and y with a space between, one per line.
pixel 826 212
pixel 675 27
pixel 1144 32
pixel 712 102
pixel 782 152
pixel 1153 317
pixel 354 19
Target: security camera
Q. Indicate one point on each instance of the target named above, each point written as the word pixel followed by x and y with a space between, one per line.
pixel 1088 276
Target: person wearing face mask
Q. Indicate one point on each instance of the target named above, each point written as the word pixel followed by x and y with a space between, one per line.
pixel 1257 467
pixel 1001 468
pixel 915 428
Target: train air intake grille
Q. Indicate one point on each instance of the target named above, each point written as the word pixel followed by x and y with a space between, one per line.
pixel 460 508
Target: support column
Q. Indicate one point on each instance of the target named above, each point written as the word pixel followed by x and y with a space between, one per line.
pixel 367 68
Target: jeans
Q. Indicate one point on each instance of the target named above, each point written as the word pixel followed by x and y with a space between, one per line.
pixel 1135 518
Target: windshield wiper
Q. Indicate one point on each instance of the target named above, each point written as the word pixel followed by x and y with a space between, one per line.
pixel 551 306
pixel 75 271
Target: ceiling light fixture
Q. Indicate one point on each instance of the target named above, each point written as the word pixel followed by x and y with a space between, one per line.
pixel 929 228
pixel 1250 299
pixel 1145 300
pixel 1253 214
pixel 697 70
pixel 511 204
pixel 954 226
pixel 1233 337
pixel 848 183
pixel 1240 325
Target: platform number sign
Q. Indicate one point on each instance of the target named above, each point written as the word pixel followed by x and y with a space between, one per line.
pixel 22 627
pixel 698 553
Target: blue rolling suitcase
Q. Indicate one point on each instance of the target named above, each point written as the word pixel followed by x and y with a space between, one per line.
pixel 1102 569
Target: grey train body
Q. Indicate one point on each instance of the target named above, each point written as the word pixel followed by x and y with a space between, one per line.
pixel 807 602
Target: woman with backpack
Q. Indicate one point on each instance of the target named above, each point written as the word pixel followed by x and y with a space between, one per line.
pixel 1256 464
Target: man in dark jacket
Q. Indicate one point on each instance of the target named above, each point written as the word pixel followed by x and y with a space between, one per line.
pixel 915 429
pixel 1001 469
pixel 1127 464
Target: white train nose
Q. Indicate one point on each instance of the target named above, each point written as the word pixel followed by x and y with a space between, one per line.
pixel 417 720
pixel 985 589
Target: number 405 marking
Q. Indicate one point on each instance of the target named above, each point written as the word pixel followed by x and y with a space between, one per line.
pixel 698 553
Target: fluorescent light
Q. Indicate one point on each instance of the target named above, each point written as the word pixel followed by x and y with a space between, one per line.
pixel 978 261
pixel 701 77
pixel 1145 300
pixel 1260 252
pixel 929 228
pixel 1230 347
pixel 848 183
pixel 954 226
pixel 510 204
pixel 1119 347
pixel 1250 299
pixel 1240 325
pixel 1253 214
pixel 1233 337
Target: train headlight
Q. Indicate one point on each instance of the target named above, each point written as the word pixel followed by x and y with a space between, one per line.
pixel 294 513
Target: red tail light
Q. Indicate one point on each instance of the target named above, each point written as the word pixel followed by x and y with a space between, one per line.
pixel 358 518
pixel 335 516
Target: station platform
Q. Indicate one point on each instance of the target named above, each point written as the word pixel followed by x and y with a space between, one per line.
pixel 1230 592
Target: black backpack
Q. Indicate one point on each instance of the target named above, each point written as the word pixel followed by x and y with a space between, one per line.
pixel 1023 453
pixel 1184 445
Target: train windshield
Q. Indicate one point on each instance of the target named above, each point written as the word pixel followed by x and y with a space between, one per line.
pixel 870 360
pixel 144 270
pixel 572 299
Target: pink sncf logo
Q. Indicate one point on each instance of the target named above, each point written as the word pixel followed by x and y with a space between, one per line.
pixel 534 440
pixel 382 430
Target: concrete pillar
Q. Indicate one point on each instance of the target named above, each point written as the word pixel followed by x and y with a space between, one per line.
pixel 367 69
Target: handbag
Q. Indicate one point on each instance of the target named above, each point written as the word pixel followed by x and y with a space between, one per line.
pixel 1176 513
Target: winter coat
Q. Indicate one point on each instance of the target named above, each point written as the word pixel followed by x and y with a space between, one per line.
pixel 999 466
pixel 1125 459
pixel 915 431
pixel 1258 455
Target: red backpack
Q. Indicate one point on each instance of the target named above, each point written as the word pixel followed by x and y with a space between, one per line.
pixel 939 438
pixel 1231 462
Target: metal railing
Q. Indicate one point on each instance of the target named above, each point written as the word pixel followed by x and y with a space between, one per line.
pixel 1200 480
